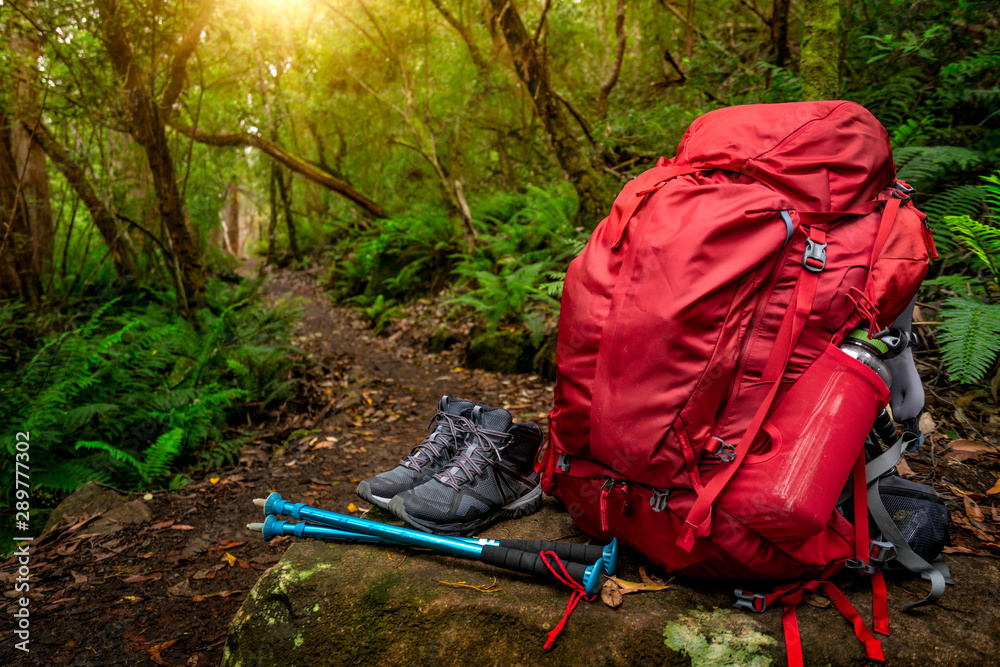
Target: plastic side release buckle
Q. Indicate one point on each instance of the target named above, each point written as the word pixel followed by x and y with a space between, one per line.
pixel 658 501
pixel 863 568
pixel 814 257
pixel 881 553
pixel 747 601
pixel 563 463
pixel 726 452
pixel 902 191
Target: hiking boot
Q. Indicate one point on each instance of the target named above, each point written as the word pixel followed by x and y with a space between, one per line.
pixel 492 478
pixel 430 456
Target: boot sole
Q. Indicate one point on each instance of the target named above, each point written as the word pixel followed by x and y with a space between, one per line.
pixel 524 506
pixel 364 492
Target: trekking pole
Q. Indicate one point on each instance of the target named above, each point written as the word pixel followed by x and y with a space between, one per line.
pixel 511 559
pixel 576 553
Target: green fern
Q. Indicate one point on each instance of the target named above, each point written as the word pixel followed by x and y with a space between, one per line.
pixel 982 240
pixel 923 166
pixel 967 200
pixel 969 336
pixel 156 460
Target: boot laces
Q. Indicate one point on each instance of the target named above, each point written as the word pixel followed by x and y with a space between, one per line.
pixel 473 458
pixel 432 446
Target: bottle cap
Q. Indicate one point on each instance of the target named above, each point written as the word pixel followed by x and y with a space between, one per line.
pixel 861 336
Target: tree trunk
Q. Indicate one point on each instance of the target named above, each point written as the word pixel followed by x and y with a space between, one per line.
pixel 16 276
pixel 231 219
pixel 568 150
pixel 272 224
pixel 146 124
pixel 820 62
pixel 118 243
pixel 286 204
pixel 32 180
pixel 689 31
pixel 779 31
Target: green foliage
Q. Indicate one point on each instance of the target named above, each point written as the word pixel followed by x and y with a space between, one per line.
pixel 969 336
pixel 509 295
pixel 969 333
pixel 135 388
pixel 922 166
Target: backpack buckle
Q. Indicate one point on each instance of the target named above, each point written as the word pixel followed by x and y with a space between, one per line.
pixel 902 191
pixel 814 257
pixel 658 501
pixel 881 552
pixel 747 601
pixel 726 452
pixel 563 463
pixel 864 568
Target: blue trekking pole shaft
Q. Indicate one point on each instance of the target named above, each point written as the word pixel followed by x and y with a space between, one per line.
pixel 576 553
pixel 274 527
pixel 511 559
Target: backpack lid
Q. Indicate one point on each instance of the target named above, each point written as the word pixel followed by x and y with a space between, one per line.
pixel 829 156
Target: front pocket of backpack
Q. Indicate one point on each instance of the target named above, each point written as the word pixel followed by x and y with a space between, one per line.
pixel 817 432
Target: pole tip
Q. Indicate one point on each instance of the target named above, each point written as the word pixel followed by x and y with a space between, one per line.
pixel 255 526
pixel 259 502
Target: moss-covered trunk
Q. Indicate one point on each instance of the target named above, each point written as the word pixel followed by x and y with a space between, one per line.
pixel 820 62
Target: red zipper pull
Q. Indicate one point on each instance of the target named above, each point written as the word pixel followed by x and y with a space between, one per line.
pixel 625 497
pixel 605 491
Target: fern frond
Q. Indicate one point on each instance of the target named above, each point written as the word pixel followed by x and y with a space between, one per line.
pixel 113 452
pixel 922 166
pixel 161 454
pixel 982 240
pixel 969 336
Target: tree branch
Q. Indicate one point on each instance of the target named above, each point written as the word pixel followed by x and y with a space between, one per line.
pixel 178 66
pixel 466 35
pixel 616 68
pixel 300 166
pixel 121 253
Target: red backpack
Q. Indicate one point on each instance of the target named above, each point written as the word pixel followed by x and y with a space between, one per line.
pixel 704 414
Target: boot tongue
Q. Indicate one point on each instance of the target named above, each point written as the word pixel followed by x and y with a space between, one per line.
pixel 494 419
pixel 453 405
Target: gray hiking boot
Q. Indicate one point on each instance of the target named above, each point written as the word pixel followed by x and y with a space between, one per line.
pixel 430 456
pixel 492 478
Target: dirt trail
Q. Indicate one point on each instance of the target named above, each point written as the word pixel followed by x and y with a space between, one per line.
pixel 163 590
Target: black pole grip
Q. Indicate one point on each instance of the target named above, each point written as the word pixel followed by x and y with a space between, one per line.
pixel 528 562
pixel 885 429
pixel 577 553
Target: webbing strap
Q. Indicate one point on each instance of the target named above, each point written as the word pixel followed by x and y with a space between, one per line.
pixel 645 183
pixel 905 556
pixel 870 310
pixel 860 510
pixel 792 595
pixel 699 519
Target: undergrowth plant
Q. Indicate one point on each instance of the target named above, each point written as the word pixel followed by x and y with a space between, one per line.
pixel 969 334
pixel 135 388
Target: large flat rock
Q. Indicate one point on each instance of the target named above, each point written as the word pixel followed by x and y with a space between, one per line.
pixel 333 604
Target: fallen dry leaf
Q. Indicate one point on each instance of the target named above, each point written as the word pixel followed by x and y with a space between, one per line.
pixel 972 510
pixel 957 491
pixel 181 526
pixel 229 558
pixel 996 513
pixel 351 507
pixel 627 587
pixel 154 652
pixel 971 446
pixel 142 578
pixel 213 480
pixel 162 524
pixel 962 456
pixel 995 488
pixel 82 578
pixel 611 594
pixel 650 579
pixel 957 550
pixel 927 424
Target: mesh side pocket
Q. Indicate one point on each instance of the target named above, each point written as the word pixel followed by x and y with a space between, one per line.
pixel 918 512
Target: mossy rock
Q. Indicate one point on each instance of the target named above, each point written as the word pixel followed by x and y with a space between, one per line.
pixel 503 351
pixel 443 339
pixel 339 604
